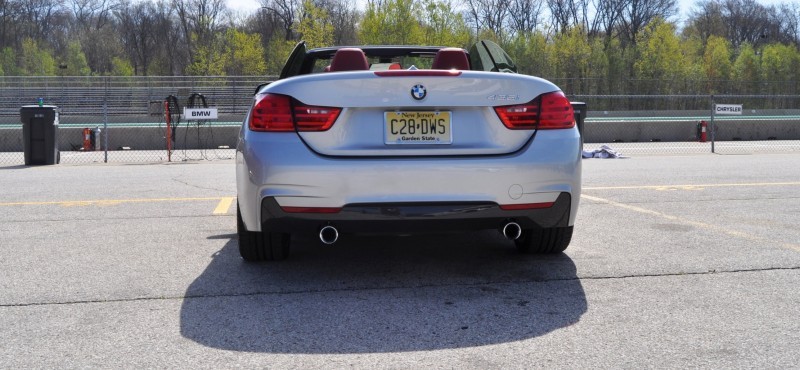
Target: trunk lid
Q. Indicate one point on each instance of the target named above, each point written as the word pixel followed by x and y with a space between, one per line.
pixel 415 113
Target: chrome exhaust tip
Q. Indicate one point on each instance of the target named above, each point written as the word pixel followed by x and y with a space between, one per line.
pixel 512 231
pixel 328 235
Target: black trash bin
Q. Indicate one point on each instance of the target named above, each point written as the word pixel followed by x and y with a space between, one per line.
pixel 580 115
pixel 40 134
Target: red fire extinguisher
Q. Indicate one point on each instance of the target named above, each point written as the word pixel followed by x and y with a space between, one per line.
pixel 88 144
pixel 703 130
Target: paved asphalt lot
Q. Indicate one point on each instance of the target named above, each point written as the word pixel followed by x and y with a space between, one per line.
pixel 677 261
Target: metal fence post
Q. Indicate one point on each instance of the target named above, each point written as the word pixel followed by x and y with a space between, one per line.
pixel 105 123
pixel 713 109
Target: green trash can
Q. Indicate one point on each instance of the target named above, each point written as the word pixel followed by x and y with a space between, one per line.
pixel 40 134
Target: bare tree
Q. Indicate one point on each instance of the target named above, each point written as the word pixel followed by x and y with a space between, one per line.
pixel 489 14
pixel 790 21
pixel 525 15
pixel 608 14
pixel 638 13
pixel 199 20
pixel 741 21
pixel 565 13
pixel 136 26
pixel 92 14
pixel 285 12
pixel 344 18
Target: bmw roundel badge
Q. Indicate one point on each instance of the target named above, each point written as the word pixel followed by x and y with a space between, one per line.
pixel 418 92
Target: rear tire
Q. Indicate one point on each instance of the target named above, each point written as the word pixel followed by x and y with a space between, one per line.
pixel 544 241
pixel 261 246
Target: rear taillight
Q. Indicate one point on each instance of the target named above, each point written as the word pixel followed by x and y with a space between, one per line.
pixel 272 113
pixel 313 118
pixel 549 111
pixel 280 113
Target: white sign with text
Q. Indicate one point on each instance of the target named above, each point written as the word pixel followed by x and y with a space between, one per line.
pixel 728 109
pixel 192 114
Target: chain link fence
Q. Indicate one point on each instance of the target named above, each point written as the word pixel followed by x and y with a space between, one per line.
pixel 674 124
pixel 121 119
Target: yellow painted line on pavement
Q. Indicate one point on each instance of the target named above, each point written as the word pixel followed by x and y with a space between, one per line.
pixel 223 206
pixel 690 187
pixel 702 225
pixel 107 202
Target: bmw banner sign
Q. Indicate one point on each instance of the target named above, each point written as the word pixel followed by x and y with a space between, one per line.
pixel 193 114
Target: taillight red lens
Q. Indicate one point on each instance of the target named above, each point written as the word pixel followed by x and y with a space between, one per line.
pixel 556 113
pixel 273 113
pixel 519 117
pixel 280 113
pixel 549 111
pixel 313 118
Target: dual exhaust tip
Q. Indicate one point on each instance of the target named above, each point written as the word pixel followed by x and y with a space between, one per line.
pixel 329 234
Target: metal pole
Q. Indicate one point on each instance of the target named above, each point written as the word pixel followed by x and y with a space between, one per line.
pixel 713 110
pixel 105 127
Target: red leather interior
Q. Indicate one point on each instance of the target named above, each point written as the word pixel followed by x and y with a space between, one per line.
pixel 349 59
pixel 451 58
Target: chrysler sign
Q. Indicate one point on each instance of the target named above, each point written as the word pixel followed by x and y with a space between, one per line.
pixel 728 109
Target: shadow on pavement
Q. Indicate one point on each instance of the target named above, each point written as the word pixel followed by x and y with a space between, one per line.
pixel 375 294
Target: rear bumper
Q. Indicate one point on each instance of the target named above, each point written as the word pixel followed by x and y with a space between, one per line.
pixel 414 217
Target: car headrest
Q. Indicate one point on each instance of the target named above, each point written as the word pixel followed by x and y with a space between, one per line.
pixel 349 59
pixel 451 58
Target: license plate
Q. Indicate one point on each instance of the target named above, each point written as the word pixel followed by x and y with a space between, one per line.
pixel 417 127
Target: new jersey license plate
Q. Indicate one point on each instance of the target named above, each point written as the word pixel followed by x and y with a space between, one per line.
pixel 417 127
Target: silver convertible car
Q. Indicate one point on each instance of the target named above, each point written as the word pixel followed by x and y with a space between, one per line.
pixel 405 139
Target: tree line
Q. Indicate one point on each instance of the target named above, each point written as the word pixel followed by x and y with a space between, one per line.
pixel 588 46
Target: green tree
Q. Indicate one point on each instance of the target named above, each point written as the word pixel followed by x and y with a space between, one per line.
pixel 747 69
pixel 245 54
pixel 75 61
pixel 277 53
pixel 121 67
pixel 659 56
pixel 692 49
pixel 619 72
pixel 391 22
pixel 529 51
pixel 569 54
pixel 35 61
pixel 315 26
pixel 443 25
pixel 8 62
pixel 209 58
pixel 598 67
pixel 717 59
pixel 778 61
pixel 717 65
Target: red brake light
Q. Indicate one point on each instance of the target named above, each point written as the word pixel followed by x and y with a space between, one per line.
pixel 280 113
pixel 272 113
pixel 556 113
pixel 549 111
pixel 418 73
